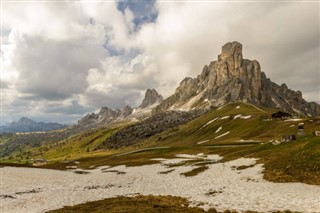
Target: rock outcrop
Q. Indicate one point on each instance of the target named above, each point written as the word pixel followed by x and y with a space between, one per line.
pixel 231 78
pixel 151 97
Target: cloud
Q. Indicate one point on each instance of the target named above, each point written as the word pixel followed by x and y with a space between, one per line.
pixel 50 69
pixel 4 84
pixel 119 83
pixel 73 108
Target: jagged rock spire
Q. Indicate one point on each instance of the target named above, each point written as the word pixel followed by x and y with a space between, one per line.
pixel 151 97
pixel 232 53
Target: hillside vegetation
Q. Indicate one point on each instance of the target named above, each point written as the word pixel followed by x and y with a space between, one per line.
pixel 78 145
pixel 140 203
pixel 17 143
pixel 233 131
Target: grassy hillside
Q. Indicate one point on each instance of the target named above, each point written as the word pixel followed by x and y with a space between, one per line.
pixel 77 145
pixel 233 131
pixel 17 143
pixel 5 137
pixel 251 127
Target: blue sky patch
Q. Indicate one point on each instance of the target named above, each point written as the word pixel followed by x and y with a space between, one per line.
pixel 144 11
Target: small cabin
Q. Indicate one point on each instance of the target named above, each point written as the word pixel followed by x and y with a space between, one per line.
pixel 281 115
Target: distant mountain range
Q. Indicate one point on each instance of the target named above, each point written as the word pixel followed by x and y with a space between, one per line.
pixel 27 125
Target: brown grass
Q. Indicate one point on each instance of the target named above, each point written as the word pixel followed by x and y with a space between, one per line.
pixel 195 171
pixel 139 203
pixel 150 204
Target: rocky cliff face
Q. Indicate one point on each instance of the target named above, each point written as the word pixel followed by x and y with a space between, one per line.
pixel 151 97
pixel 232 78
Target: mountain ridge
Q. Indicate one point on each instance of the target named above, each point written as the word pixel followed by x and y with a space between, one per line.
pixel 25 124
pixel 107 115
pixel 231 78
pixel 151 97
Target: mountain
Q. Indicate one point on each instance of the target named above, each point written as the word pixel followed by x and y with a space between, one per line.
pixel 151 97
pixel 231 78
pixel 107 115
pixel 28 125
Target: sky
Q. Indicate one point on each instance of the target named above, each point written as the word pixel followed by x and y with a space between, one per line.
pixel 63 59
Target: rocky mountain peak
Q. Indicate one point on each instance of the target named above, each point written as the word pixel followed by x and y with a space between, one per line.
pixel 151 97
pixel 232 53
pixel 26 121
pixel 106 112
pixel 232 78
pixel 126 111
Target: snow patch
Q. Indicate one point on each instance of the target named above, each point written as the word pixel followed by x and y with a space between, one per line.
pixel 188 156
pixel 246 117
pixel 222 135
pixel 209 122
pixel 237 116
pixel 225 117
pixel 242 116
pixel 248 141
pixel 218 130
pixel 220 107
pixel 187 106
pixel 293 119
pixel 201 142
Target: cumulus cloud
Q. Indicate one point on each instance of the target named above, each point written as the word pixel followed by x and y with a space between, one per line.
pixel 119 83
pixel 73 108
pixel 50 69
pixel 97 54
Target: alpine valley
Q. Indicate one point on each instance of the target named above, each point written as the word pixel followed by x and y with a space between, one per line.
pixel 218 136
